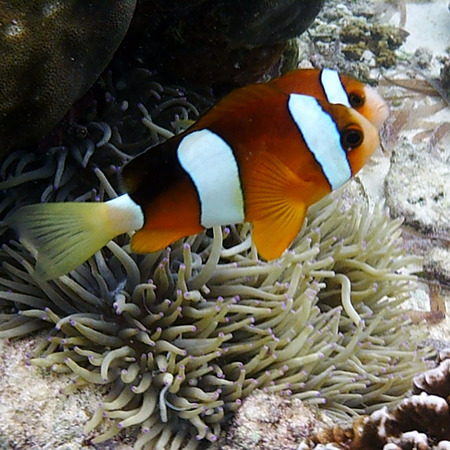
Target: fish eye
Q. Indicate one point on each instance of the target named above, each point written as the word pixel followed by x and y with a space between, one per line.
pixel 357 99
pixel 351 138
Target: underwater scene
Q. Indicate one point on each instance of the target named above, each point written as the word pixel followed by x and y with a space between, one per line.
pixel 225 224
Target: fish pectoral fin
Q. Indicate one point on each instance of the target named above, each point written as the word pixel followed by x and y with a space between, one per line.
pixel 274 234
pixel 149 240
pixel 276 205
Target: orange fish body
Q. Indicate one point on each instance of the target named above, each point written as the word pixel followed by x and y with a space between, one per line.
pixel 272 174
pixel 263 154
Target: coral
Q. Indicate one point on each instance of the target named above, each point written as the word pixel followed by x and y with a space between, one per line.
pixel 52 52
pixel 381 40
pixel 437 265
pixel 420 421
pixel 434 381
pixel 353 37
pixel 66 45
pixel 423 201
pixel 417 132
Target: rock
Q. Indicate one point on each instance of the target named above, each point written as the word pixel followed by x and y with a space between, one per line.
pixel 417 186
pixel 216 41
pixel 51 53
pixel 269 421
pixel 437 265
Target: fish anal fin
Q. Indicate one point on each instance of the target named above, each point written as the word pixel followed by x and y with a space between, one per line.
pixel 277 201
pixel 148 240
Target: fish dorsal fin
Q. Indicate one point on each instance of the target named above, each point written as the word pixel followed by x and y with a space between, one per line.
pixel 241 98
pixel 276 201
pixel 242 101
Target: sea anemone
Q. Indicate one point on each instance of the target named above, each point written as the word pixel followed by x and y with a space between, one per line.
pixel 420 421
pixel 182 336
pixel 186 334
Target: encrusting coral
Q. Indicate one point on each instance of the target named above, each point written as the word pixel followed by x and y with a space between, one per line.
pixel 181 337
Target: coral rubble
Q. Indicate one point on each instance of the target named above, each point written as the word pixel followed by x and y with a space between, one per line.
pixel 352 36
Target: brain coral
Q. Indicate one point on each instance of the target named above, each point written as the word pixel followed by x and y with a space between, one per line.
pixel 51 53
pixel 181 337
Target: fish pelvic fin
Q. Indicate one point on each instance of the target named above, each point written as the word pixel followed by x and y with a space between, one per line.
pixel 277 201
pixel 67 234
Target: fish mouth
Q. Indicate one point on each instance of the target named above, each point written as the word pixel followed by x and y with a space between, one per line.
pixel 382 113
pixel 380 109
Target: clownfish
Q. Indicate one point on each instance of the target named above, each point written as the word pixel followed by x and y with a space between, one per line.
pixel 330 85
pixel 263 154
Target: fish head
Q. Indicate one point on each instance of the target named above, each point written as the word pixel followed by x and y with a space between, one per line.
pixel 359 137
pixel 366 100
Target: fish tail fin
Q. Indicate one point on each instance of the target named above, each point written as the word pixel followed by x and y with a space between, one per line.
pixel 67 234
